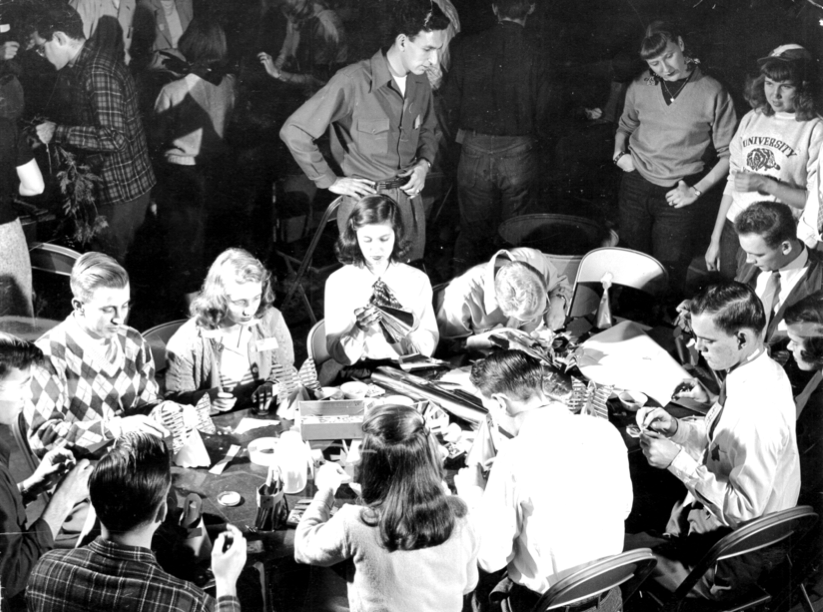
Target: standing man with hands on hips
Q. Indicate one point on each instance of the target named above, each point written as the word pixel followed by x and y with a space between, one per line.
pixel 382 123
pixel 738 463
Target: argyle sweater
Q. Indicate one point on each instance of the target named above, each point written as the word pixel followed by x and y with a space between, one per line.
pixel 78 391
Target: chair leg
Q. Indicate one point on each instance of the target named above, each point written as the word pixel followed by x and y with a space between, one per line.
pixel 804 599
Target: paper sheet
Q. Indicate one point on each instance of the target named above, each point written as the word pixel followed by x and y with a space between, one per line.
pixel 624 356
pixel 248 423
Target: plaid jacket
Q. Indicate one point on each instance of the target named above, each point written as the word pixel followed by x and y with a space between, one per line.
pixel 111 577
pixel 78 391
pixel 107 128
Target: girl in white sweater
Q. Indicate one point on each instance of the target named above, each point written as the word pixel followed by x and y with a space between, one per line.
pixel 774 152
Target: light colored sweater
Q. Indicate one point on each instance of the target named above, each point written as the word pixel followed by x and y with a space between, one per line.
pixel 191 115
pixel 426 580
pixel 668 143
pixel 778 146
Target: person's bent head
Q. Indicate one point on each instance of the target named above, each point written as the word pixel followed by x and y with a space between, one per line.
pixel 728 321
pixel 102 294
pixel 401 476
pixel 513 10
pixel 768 235
pixel 237 290
pixel 664 50
pixel 521 291
pixel 374 233
pixel 787 82
pixel 804 325
pixel 129 485
pixel 16 359
pixel 57 33
pixel 203 43
pixel 418 34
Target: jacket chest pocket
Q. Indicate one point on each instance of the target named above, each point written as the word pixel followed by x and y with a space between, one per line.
pixel 373 137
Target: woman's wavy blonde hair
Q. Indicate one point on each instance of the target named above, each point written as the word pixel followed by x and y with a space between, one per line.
pixel 210 306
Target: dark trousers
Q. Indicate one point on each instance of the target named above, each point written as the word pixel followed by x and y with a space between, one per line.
pixel 411 212
pixel 496 177
pixel 181 211
pixel 730 251
pixel 124 219
pixel 650 225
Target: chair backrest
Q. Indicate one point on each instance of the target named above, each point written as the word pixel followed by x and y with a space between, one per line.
pixel 316 343
pixel 759 533
pixel 628 268
pixel 158 337
pixel 52 258
pixel 598 577
pixel 20 431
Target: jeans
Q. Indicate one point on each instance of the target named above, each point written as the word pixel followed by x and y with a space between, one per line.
pixel 650 225
pixel 495 181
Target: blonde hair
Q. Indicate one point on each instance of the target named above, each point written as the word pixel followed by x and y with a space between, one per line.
pixel 93 270
pixel 518 288
pixel 211 304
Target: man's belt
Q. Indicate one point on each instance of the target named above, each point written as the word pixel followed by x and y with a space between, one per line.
pixel 394 183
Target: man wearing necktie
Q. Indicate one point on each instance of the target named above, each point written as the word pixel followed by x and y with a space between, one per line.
pixel 778 266
pixel 740 461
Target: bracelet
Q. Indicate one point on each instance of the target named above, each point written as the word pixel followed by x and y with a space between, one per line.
pixel 697 192
pixel 618 156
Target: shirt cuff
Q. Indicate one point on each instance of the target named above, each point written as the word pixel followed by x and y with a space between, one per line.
pixel 325 180
pixel 683 466
pixel 61 133
pixel 228 603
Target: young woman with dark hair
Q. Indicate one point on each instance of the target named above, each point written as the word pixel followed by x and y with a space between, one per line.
pixel 411 543
pixel 673 115
pixel 372 247
pixel 774 154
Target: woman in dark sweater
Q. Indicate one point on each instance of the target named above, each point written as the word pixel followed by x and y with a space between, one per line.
pixel 673 116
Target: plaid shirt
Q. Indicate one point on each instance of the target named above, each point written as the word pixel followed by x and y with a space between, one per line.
pixel 109 577
pixel 79 390
pixel 107 127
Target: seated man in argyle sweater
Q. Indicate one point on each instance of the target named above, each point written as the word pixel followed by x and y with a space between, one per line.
pixel 97 381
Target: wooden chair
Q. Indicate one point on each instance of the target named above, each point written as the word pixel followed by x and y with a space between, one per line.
pixel 599 577
pixel 628 268
pixel 755 535
pixel 305 263
pixel 158 337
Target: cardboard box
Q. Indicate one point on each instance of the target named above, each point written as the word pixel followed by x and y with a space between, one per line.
pixel 331 419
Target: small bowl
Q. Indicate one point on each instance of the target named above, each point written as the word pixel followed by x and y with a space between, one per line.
pixel 632 400
pixel 262 451
pixel 354 390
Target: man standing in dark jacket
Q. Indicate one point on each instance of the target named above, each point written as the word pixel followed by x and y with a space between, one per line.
pixel 498 94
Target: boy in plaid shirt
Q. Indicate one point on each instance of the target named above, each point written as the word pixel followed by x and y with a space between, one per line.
pixel 97 381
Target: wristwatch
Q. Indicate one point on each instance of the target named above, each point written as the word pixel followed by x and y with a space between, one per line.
pixel 697 192
pixel 618 156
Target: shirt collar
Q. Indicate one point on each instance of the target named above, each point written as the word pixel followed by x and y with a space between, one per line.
pixel 122 552
pixel 380 74
pixel 798 262
pixel 82 56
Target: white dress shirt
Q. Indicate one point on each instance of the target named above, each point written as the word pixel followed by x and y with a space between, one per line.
pixel 750 467
pixel 789 277
pixel 557 496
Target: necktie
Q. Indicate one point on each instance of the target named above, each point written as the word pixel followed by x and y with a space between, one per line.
pixel 721 400
pixel 771 297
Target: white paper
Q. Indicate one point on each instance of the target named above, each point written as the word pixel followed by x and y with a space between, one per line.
pixel 248 423
pixel 624 356
pixel 194 453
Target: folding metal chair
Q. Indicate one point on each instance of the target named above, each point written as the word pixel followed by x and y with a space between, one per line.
pixel 316 343
pixel 305 264
pixel 627 267
pixel 755 535
pixel 157 338
pixel 599 577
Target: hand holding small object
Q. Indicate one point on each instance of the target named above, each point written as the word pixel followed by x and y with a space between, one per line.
pixel 228 558
pixel 264 394
pixel 659 452
pixel 222 400
pixel 656 420
pixel 366 317
pixel 691 388
pixel 330 476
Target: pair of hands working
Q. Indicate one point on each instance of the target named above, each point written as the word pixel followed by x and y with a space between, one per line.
pixel 657 426
pixel 360 188
pixel 223 401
